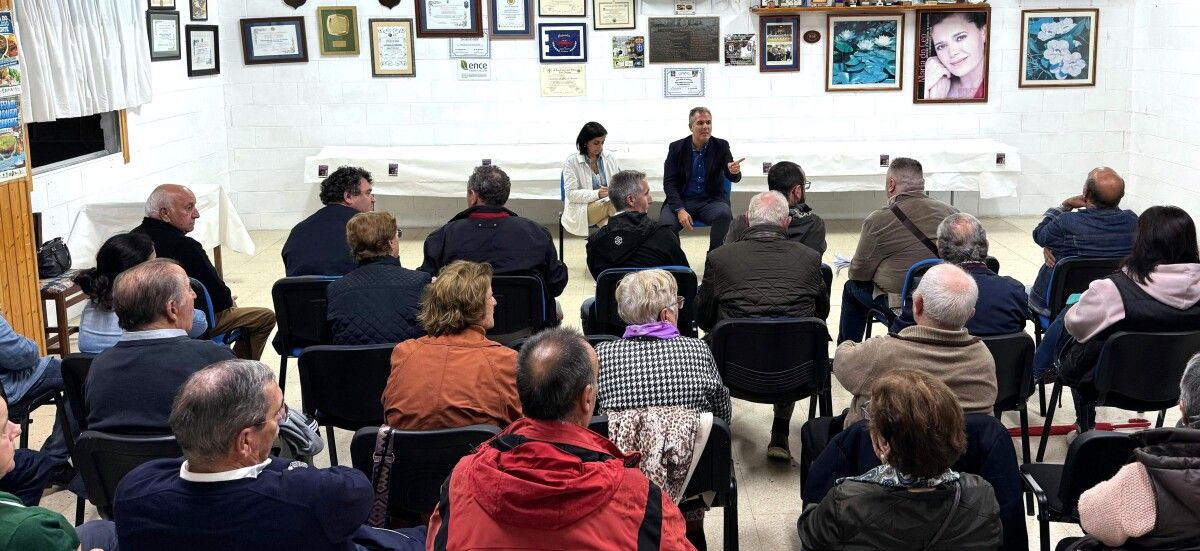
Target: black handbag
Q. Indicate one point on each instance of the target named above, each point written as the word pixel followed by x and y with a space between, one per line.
pixel 53 258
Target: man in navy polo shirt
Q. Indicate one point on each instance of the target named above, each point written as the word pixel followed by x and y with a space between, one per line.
pixel 694 177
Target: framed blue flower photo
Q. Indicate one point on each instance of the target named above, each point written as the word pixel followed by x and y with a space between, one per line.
pixel 865 52
pixel 1058 47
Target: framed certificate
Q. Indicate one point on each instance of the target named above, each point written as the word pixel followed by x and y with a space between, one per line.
pixel 163 27
pixel 471 48
pixel 683 82
pixel 563 81
pixel 203 50
pixel 613 14
pixel 511 19
pixel 338 28
pixel 449 18
pixel 391 47
pixel 273 40
pixel 779 48
pixel 562 42
pixel 562 8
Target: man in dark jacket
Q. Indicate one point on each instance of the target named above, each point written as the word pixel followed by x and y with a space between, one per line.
pixel 317 245
pixel 694 177
pixel 170 214
pixel 764 275
pixel 806 227
pixel 488 232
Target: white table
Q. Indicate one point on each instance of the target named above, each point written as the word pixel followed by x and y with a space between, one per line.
pixel 219 223
pixel 442 171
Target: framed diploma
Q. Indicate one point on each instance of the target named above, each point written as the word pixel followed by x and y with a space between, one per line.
pixel 163 27
pixel 338 28
pixel 562 42
pixel 511 19
pixel 449 18
pixel 613 14
pixel 203 50
pixel 273 40
pixel 562 8
pixel 779 48
pixel 391 47
pixel 563 81
pixel 683 82
pixel 471 48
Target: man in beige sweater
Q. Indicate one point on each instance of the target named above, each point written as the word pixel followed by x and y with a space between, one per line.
pixel 938 344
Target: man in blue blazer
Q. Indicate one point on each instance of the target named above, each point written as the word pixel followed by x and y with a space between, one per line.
pixel 694 177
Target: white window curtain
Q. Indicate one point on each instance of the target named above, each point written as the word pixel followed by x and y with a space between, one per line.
pixel 82 57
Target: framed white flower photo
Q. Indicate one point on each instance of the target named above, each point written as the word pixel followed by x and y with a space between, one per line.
pixel 1058 47
pixel 865 52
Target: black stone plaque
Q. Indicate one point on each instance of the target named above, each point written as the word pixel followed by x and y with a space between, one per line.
pixel 685 40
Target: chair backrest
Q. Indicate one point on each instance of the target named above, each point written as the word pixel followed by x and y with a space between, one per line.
pixel 300 311
pixel 204 304
pixel 75 370
pixel 606 298
pixel 1013 354
pixel 992 264
pixel 345 383
pixel 520 307
pixel 1092 458
pixel 103 459
pixel 423 460
pixel 772 360
pixel 912 277
pixel 827 277
pixel 1072 275
pixel 1141 371
pixel 714 471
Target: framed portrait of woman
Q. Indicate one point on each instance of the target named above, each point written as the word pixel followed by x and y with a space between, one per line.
pixel 1058 47
pixel 951 60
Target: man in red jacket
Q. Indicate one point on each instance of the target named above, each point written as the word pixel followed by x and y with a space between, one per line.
pixel 547 482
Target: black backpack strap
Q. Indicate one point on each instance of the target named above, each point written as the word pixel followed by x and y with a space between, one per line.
pixel 650 533
pixel 443 510
pixel 912 228
pixel 949 516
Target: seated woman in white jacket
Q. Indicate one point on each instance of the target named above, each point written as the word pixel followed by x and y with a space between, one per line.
pixel 585 179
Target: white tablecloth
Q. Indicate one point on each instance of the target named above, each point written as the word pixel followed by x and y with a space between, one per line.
pixel 219 222
pixel 442 171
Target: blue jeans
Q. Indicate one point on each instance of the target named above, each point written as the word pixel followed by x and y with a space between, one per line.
pixel 714 212
pixel 858 301
pixel 28 478
pixel 55 447
pixel 1053 342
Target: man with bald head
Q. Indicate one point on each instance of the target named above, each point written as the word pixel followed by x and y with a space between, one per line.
pixel 1089 224
pixel 130 386
pixel 170 214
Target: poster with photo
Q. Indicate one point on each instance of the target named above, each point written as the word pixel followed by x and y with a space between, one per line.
pixel 10 65
pixel 739 49
pixel 12 147
pixel 629 52
pixel 951 61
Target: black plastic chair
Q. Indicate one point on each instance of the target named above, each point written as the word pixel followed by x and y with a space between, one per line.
pixel 1092 458
pixel 1071 275
pixel 1135 372
pixel 300 316
pixel 423 459
pixel 520 307
pixel 1013 355
pixel 774 360
pixel 714 473
pixel 911 278
pixel 103 459
pixel 22 413
pixel 606 298
pixel 75 370
pixel 341 386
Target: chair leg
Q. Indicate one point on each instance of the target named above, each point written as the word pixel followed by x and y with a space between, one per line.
pixel 1044 533
pixel 332 445
pixel 1162 417
pixel 561 236
pixel 870 322
pixel 283 371
pixel 1024 413
pixel 731 519
pixel 812 405
pixel 25 429
pixel 1041 398
pixel 78 510
pixel 1049 420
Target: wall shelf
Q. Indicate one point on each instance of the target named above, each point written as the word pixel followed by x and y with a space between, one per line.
pixel 866 10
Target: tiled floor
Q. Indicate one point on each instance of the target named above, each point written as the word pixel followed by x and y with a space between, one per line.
pixel 769 493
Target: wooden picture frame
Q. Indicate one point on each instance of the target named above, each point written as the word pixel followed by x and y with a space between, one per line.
pixel 387 37
pixel 273 40
pixel 449 18
pixel 163 30
pixel 1058 48
pixel 778 47
pixel 161 4
pixel 954 45
pixel 199 9
pixel 864 52
pixel 502 14
pixel 201 48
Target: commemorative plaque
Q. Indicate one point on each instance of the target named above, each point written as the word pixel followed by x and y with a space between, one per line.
pixel 685 40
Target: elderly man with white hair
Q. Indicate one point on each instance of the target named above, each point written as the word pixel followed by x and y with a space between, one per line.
pixel 764 275
pixel 938 344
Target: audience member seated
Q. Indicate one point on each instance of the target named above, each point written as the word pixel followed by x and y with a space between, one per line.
pixel 227 493
pixel 913 500
pixel 694 175
pixel 1003 306
pixel 1091 224
pixel 805 227
pixel 764 274
pixel 938 345
pixel 547 482
pixel 23 526
pixel 25 375
pixel 98 325
pixel 893 238
pixel 315 245
pixel 1155 290
pixel 585 181
pixel 377 302
pixel 652 351
pixel 1152 503
pixel 170 214
pixel 453 376
pixel 130 386
pixel 631 239
pixel 488 232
